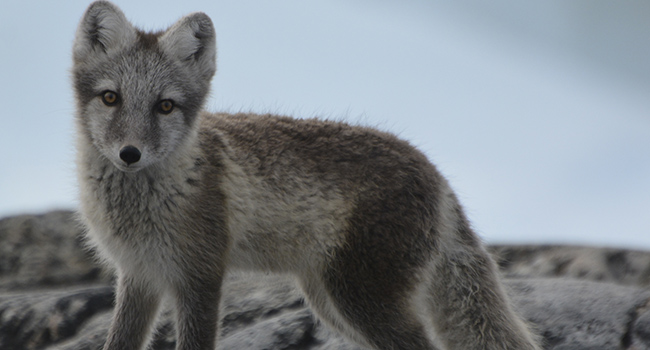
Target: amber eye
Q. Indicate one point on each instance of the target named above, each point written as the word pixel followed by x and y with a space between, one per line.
pixel 109 98
pixel 165 106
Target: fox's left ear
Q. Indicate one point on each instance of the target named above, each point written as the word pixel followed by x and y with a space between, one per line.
pixel 192 41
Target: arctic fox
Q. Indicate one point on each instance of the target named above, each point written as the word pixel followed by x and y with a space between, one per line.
pixel 174 197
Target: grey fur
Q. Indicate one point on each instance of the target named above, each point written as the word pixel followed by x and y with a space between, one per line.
pixel 371 230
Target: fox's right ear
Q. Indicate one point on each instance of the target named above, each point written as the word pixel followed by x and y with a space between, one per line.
pixel 102 29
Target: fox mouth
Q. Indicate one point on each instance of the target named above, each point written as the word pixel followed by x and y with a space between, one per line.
pixel 128 168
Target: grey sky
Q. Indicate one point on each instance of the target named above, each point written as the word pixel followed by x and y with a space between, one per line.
pixel 537 112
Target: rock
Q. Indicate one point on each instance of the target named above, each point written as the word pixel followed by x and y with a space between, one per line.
pixel 34 320
pixel 571 314
pixel 53 296
pixel 292 330
pixel 39 251
pixel 620 266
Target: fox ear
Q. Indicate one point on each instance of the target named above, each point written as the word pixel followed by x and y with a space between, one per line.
pixel 103 28
pixel 192 41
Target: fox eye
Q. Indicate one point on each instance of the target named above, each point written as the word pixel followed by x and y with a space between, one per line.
pixel 110 98
pixel 165 106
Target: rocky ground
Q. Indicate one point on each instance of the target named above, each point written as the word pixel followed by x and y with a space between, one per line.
pixel 53 296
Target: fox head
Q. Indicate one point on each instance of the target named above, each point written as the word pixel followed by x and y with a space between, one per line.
pixel 139 94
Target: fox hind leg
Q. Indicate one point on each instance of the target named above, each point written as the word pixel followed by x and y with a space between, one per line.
pixel 470 309
pixel 363 303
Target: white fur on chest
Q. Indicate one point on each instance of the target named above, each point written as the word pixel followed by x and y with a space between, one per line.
pixel 133 218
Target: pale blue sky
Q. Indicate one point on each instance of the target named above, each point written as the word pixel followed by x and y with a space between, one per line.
pixel 537 112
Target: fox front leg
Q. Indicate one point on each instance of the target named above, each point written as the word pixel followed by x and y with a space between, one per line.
pixel 197 314
pixel 136 308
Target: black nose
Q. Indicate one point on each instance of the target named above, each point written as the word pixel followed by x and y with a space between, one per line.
pixel 130 154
